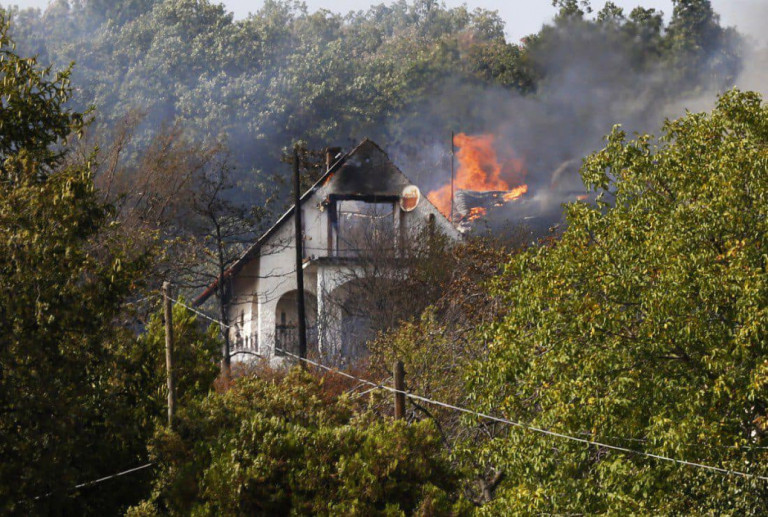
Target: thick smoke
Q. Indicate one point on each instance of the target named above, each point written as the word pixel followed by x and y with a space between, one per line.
pixel 285 74
pixel 750 16
pixel 589 86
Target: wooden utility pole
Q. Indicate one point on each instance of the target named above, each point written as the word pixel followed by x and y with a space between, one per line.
pixel 399 375
pixel 299 259
pixel 223 288
pixel 168 310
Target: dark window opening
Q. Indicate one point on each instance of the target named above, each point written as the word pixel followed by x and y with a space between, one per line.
pixel 362 225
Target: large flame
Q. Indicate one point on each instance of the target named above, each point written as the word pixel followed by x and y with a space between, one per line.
pixel 480 169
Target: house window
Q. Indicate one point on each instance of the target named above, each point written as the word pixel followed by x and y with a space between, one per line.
pixel 363 225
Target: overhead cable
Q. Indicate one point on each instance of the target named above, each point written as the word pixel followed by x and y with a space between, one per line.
pixel 520 425
pixel 100 480
pixel 528 427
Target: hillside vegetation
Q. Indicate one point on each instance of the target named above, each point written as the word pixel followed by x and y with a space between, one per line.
pixel 619 367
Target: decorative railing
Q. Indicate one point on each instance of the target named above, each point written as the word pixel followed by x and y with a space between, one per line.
pixel 246 345
pixel 287 339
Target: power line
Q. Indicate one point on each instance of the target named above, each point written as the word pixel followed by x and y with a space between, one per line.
pixel 204 315
pixel 97 481
pixel 520 425
pixel 645 440
pixel 136 302
pixel 530 427
pixel 106 478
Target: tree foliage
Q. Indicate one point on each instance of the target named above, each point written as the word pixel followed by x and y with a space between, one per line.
pixel 196 355
pixel 286 446
pixel 35 116
pixel 63 277
pixel 80 395
pixel 404 74
pixel 438 346
pixel 644 327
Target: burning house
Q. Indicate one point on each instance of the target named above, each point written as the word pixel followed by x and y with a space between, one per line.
pixel 483 180
pixel 491 187
pixel 362 203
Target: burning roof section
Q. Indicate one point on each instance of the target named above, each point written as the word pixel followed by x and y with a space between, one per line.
pixel 488 174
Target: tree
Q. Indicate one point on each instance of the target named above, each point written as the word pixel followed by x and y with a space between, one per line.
pixel 439 343
pixel 34 115
pixel 502 63
pixel 646 327
pixel 120 11
pixel 700 48
pixel 222 230
pixel 406 74
pixel 63 277
pixel 287 446
pixel 129 403
pixel 278 76
pixel 177 194
pixel 196 354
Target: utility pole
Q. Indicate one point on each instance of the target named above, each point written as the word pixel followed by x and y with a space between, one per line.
pixel 222 287
pixel 399 375
pixel 168 310
pixel 299 258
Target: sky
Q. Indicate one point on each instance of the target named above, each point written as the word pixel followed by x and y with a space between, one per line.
pixel 522 17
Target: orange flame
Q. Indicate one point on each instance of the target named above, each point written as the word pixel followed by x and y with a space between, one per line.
pixel 481 170
pixel 476 213
pixel 516 192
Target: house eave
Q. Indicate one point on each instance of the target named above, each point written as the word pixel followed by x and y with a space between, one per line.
pixel 250 252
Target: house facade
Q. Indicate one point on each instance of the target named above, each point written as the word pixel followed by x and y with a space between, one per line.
pixel 363 206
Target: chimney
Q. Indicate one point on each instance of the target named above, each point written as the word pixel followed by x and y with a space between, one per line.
pixel 330 156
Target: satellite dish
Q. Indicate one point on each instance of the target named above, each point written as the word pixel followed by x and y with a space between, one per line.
pixel 410 198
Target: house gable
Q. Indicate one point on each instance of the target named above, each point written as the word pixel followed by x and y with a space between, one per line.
pixel 364 172
pixel 367 170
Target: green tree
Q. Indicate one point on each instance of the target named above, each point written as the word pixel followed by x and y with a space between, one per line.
pixel 699 47
pixel 80 395
pixel 34 115
pixel 281 75
pixel 645 327
pixel 287 446
pixel 405 74
pixel 118 11
pixel 437 346
pixel 129 401
pixel 63 276
pixel 196 356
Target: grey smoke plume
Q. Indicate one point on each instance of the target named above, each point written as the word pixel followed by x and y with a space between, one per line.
pixel 750 17
pixel 284 74
pixel 590 85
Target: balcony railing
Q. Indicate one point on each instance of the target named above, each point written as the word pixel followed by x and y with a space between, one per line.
pixel 287 340
pixel 246 345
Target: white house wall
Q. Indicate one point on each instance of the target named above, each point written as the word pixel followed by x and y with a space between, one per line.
pixel 259 285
